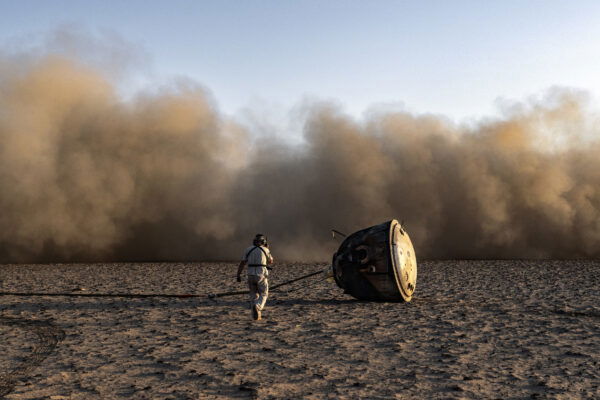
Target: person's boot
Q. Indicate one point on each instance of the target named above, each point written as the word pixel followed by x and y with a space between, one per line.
pixel 255 313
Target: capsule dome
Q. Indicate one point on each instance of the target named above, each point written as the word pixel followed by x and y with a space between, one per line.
pixel 377 263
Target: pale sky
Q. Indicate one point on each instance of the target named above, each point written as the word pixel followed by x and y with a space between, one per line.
pixel 455 58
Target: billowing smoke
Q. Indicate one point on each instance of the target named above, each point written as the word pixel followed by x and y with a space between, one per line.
pixel 86 175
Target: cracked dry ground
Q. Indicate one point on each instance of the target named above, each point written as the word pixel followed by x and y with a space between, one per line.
pixel 475 329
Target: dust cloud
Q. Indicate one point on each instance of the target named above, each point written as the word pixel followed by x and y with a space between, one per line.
pixel 86 175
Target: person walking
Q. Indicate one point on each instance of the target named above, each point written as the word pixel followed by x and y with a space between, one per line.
pixel 257 257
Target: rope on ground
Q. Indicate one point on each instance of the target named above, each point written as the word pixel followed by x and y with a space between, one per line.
pixel 306 285
pixel 127 295
pixel 153 295
pixel 272 288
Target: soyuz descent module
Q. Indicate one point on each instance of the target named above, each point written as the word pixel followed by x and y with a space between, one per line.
pixel 377 263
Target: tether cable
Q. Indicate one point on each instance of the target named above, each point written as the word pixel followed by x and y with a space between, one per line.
pixel 272 288
pixel 306 285
pixel 153 295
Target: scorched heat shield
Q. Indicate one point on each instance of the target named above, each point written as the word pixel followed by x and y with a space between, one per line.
pixel 377 263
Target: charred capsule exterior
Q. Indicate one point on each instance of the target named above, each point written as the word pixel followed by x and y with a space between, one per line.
pixel 377 263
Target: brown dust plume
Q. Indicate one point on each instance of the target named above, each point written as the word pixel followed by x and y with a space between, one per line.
pixel 86 175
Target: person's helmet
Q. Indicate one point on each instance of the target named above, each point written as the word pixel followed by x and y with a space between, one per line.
pixel 260 240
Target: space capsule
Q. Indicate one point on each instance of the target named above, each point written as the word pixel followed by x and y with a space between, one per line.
pixel 377 263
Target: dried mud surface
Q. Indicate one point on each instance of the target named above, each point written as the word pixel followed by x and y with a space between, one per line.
pixel 475 329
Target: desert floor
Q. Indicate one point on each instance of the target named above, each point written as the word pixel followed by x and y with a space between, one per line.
pixel 475 329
